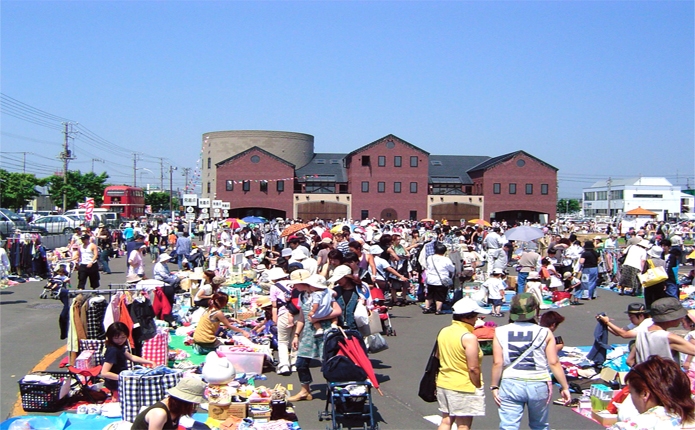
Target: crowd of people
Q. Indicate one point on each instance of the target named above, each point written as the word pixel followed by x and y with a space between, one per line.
pixel 321 273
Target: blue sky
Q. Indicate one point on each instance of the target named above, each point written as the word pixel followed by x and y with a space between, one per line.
pixel 596 89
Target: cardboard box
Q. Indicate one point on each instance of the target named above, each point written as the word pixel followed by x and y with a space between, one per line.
pixel 86 360
pixel 222 412
pixel 604 418
pixel 260 410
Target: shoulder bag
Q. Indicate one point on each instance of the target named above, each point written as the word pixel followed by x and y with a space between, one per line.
pixel 654 275
pixel 428 383
pixel 448 283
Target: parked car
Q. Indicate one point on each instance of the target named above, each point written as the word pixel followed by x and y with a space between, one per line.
pixel 10 221
pixel 58 224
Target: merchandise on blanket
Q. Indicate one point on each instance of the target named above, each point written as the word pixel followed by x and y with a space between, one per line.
pixel 601 396
pixel 86 360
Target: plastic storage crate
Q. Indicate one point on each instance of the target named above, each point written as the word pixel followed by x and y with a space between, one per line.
pixel 44 397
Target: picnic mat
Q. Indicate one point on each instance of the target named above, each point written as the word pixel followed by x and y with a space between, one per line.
pixel 176 342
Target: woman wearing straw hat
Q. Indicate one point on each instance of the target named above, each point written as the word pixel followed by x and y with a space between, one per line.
pixel 182 400
pixel 307 345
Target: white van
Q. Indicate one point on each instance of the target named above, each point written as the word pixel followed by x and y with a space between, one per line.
pixel 110 219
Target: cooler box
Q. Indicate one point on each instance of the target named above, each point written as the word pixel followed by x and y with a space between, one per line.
pixel 244 362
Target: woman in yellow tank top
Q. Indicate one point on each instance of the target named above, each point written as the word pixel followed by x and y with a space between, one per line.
pixel 205 335
pixel 460 391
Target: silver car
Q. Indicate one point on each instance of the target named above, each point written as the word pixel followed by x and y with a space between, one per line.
pixel 58 224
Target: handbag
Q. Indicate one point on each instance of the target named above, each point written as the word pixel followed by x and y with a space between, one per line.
pixel 621 259
pixel 428 383
pixel 654 275
pixel 144 387
pixel 376 343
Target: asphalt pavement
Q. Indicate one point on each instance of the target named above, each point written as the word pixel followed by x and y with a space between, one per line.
pixel 29 333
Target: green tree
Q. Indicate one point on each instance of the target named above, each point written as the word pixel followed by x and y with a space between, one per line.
pixel 160 201
pixel 17 189
pixel 78 187
pixel 568 206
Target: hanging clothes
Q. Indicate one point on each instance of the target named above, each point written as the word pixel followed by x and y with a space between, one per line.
pixel 76 331
pixel 142 313
pixel 124 317
pixel 161 305
pixel 96 310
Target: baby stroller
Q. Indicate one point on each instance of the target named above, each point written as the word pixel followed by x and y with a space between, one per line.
pixel 350 379
pixel 383 311
pixel 52 289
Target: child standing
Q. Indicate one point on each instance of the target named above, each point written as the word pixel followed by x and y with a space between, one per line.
pixel 495 288
pixel 116 355
pixel 321 306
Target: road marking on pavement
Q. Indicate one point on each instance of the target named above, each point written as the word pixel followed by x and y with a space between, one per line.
pixel 46 361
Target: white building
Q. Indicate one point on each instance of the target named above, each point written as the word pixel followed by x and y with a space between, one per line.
pixel 622 195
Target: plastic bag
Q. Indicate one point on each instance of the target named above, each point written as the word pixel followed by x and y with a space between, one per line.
pixel 361 315
pixel 376 343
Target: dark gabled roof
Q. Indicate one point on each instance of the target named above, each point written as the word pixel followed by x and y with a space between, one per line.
pixel 256 148
pixel 382 139
pixel 447 167
pixel 496 160
pixel 328 166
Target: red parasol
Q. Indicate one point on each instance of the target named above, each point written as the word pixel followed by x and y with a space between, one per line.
pixel 352 349
pixel 293 228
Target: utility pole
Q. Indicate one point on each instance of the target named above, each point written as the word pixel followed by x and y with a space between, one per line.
pixel 135 169
pixel 171 192
pixel 186 171
pixel 66 156
pixel 96 159
pixel 161 174
pixel 609 182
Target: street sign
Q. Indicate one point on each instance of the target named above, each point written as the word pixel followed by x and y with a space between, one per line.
pixel 226 205
pixel 216 212
pixel 204 211
pixel 204 216
pixel 225 213
pixel 203 203
pixel 190 200
pixel 190 210
pixel 217 204
pixel 190 217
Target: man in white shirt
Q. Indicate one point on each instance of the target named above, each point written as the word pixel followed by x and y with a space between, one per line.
pixel 492 244
pixel 639 322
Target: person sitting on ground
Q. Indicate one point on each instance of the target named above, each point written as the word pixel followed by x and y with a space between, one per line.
pixel 182 400
pixel 656 340
pixel 208 289
pixel 205 335
pixel 552 320
pixel 639 321
pixel 116 356
pixel 660 392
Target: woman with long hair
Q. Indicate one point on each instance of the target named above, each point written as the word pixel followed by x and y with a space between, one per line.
pixel 660 392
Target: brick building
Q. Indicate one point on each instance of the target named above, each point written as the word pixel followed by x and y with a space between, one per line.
pixel 386 179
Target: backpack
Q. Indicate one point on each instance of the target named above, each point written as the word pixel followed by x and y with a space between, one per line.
pixel 291 308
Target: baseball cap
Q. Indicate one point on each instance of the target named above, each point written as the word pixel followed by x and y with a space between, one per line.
pixel 466 306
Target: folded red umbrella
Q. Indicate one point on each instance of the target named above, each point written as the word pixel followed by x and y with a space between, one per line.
pixel 352 348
